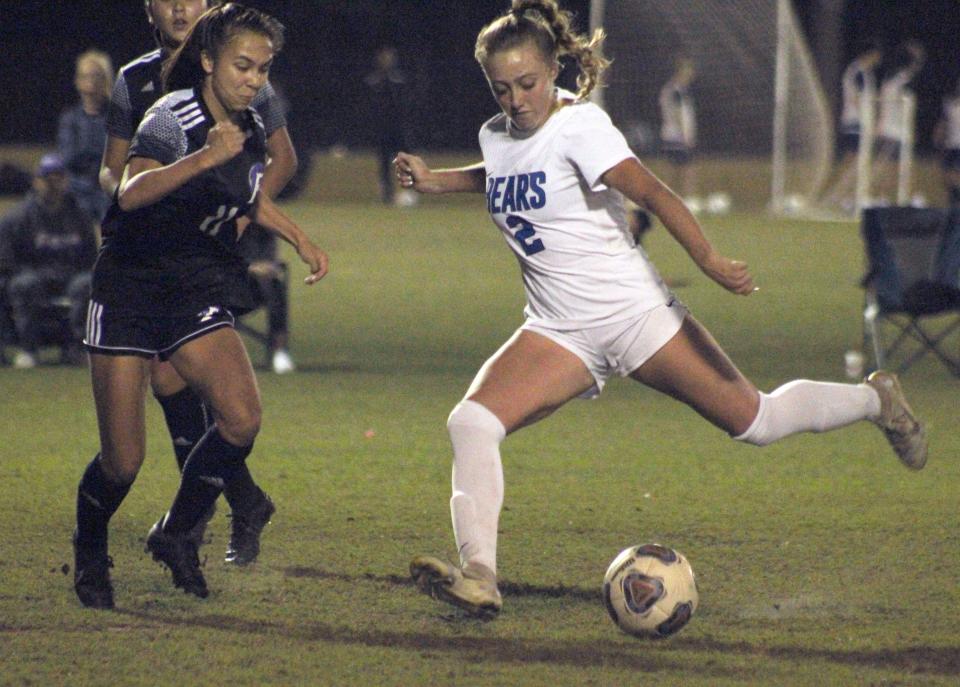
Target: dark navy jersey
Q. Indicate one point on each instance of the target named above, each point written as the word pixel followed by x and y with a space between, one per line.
pixel 138 86
pixel 181 253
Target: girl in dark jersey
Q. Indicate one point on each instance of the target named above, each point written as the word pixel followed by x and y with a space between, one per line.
pixel 162 285
pixel 137 87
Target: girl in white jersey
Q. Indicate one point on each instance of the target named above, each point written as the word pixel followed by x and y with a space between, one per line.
pixel 555 171
pixel 947 137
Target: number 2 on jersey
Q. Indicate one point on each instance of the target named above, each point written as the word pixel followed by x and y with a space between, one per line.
pixel 524 234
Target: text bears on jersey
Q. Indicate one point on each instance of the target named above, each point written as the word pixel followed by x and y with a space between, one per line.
pixel 516 192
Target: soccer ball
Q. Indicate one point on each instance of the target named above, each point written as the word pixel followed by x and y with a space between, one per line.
pixel 650 591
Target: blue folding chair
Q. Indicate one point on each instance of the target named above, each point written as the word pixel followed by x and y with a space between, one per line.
pixel 912 286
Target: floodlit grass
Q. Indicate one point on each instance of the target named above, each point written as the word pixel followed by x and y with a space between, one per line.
pixel 821 561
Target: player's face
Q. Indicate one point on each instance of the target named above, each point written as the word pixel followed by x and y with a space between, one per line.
pixel 240 70
pixel 522 82
pixel 173 18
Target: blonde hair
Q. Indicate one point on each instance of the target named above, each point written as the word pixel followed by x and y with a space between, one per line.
pixel 549 27
pixel 102 63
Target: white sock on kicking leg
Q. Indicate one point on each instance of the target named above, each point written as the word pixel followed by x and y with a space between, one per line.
pixel 476 434
pixel 805 406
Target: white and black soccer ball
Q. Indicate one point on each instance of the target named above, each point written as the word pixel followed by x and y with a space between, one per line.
pixel 650 591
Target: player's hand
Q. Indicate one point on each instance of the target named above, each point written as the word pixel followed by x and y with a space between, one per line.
pixel 412 172
pixel 224 142
pixel 733 275
pixel 316 260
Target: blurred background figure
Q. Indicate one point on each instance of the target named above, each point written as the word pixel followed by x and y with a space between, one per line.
pixel 47 249
pixel 905 63
pixel 390 105
pixel 858 87
pixel 678 131
pixel 82 132
pixel 268 280
pixel 946 135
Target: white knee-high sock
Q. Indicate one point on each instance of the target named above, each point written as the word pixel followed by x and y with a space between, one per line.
pixel 805 406
pixel 476 434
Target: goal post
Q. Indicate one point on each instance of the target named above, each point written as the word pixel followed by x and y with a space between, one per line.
pixel 761 108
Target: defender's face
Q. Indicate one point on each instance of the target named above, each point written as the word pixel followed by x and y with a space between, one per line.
pixel 240 70
pixel 523 83
pixel 174 18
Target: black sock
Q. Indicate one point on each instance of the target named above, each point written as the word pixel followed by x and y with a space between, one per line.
pixel 242 493
pixel 213 464
pixel 97 500
pixel 955 196
pixel 186 420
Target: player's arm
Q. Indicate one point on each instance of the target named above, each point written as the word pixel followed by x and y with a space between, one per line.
pixel 271 218
pixel 641 186
pixel 282 163
pixel 145 180
pixel 414 173
pixel 113 162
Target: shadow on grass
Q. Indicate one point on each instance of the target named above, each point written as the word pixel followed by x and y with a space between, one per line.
pixel 507 588
pixel 476 649
pixel 913 659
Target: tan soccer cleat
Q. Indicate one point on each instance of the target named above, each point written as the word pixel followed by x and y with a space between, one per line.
pixel 473 588
pixel 904 432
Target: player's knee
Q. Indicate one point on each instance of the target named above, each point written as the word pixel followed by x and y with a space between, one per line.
pixel 241 424
pixel 120 470
pixel 472 418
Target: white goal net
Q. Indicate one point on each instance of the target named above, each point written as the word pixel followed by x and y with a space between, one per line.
pixel 763 120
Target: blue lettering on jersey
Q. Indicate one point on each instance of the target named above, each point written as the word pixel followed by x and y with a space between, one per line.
pixel 524 235
pixel 516 192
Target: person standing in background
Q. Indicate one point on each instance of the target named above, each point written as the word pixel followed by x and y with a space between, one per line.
pixel 895 86
pixel 678 131
pixel 387 86
pixel 946 136
pixel 82 132
pixel 859 87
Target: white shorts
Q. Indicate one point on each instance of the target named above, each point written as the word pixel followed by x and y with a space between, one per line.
pixel 618 348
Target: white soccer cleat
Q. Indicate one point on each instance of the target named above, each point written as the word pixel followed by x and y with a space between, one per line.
pixel 905 433
pixel 472 588
pixel 282 363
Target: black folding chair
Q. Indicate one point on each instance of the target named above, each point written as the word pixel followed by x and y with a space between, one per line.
pixel 912 286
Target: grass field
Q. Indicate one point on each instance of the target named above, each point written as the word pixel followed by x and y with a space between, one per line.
pixel 821 561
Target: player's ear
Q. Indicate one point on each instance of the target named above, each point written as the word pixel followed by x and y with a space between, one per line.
pixel 206 61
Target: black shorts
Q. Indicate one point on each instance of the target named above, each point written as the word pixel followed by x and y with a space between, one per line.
pixel 678 155
pixel 848 141
pixel 951 160
pixel 113 331
pixel 888 148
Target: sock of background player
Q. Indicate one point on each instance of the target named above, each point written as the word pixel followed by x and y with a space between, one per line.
pixel 187 421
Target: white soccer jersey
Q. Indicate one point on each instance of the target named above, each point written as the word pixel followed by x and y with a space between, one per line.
pixel 579 264
pixel 678 117
pixel 892 91
pixel 951 118
pixel 856 82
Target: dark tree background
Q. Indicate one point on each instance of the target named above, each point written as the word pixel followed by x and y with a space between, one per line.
pixel 331 43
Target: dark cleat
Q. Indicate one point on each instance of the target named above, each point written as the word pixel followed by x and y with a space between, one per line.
pixel 245 532
pixel 179 554
pixel 197 532
pixel 91 576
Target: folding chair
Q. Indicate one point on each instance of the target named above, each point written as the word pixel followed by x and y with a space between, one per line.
pixel 912 285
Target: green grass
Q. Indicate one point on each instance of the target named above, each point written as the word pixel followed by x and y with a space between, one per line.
pixel 821 561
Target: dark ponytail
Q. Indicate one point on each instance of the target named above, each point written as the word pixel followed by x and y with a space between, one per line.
pixel 213 30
